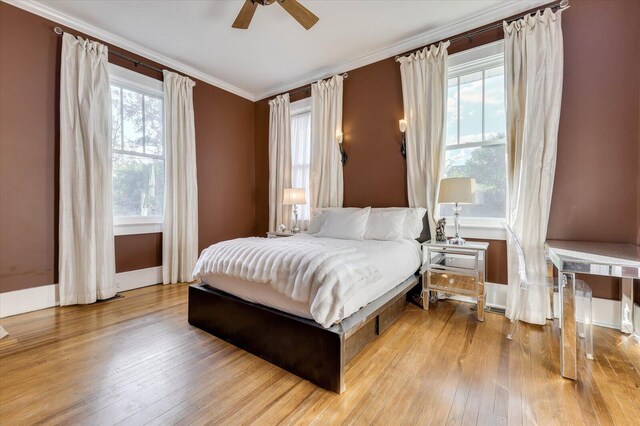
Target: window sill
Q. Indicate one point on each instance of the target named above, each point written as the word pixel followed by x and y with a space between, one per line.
pixel 478 228
pixel 136 228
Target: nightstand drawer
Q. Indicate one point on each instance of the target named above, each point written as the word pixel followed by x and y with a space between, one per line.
pixel 451 282
pixel 462 263
pixel 456 264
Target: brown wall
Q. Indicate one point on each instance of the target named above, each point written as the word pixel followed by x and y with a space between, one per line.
pixel 595 196
pixel 29 149
pixel 596 193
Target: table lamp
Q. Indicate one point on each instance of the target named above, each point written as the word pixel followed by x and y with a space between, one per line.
pixel 293 197
pixel 457 191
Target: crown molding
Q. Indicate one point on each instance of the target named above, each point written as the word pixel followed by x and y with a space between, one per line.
pixel 511 8
pixel 108 37
pixel 508 9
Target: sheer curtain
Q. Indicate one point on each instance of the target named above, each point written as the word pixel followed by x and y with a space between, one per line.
pixel 424 94
pixel 533 71
pixel 180 225
pixel 301 161
pixel 326 119
pixel 279 160
pixel 87 255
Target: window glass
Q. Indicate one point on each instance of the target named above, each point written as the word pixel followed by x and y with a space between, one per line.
pixel 452 112
pixel 116 117
pixel 138 152
pixel 494 114
pixel 301 158
pixel 476 129
pixel 132 120
pixel 153 136
pixel 470 105
pixel 138 186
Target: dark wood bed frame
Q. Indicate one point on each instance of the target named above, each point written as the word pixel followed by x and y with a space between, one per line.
pixel 296 344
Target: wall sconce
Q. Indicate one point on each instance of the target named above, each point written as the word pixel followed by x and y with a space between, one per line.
pixel 403 128
pixel 343 155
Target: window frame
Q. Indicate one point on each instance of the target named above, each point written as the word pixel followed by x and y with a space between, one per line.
pixel 300 107
pixel 134 225
pixel 480 58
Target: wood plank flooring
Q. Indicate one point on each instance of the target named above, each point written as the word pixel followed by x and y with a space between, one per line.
pixel 136 361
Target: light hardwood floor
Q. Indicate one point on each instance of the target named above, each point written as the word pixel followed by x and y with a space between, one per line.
pixel 136 361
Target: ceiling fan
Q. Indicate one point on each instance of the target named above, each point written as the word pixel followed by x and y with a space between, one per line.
pixel 295 9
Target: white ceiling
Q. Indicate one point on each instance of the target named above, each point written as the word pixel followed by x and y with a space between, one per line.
pixel 275 53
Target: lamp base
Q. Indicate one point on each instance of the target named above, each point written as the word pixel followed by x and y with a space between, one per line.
pixel 295 230
pixel 457 241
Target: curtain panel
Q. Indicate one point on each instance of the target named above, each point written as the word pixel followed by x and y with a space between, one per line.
pixel 424 93
pixel 326 181
pixel 180 224
pixel 86 242
pixel 279 160
pixel 533 79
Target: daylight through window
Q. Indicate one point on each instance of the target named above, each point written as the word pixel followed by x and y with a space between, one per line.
pixel 301 156
pixel 476 129
pixel 138 152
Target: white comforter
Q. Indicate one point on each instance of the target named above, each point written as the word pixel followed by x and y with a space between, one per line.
pixel 306 269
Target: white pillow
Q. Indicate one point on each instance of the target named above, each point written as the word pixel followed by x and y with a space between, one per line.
pixel 317 219
pixel 344 224
pixel 412 222
pixel 387 225
pixel 315 223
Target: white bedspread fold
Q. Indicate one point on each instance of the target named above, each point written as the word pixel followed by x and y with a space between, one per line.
pixel 307 270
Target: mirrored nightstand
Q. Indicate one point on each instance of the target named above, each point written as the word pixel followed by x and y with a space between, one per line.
pixel 455 269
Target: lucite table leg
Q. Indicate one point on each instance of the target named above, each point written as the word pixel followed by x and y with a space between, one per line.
pixel 626 307
pixel 568 342
pixel 481 290
pixel 552 302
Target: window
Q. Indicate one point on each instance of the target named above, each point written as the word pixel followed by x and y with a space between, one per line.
pixel 301 153
pixel 476 128
pixel 137 134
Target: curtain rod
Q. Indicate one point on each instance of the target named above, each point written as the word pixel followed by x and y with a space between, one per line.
pixel 563 4
pixel 306 87
pixel 60 31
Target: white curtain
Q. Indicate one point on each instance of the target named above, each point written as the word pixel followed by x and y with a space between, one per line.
pixel 87 256
pixel 279 160
pixel 180 225
pixel 424 94
pixel 300 161
pixel 533 79
pixel 326 120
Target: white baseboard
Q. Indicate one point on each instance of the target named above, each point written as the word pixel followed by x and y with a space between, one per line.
pixel 138 278
pixel 47 296
pixel 606 313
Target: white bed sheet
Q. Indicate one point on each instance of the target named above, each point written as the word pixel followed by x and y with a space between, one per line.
pixel 395 260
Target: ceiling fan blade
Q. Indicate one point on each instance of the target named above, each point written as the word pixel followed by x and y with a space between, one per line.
pixel 246 14
pixel 299 13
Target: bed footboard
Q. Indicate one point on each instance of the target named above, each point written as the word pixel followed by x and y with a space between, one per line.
pixel 296 344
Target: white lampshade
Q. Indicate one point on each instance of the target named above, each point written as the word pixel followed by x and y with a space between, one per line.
pixel 294 196
pixel 457 190
pixel 339 136
pixel 403 125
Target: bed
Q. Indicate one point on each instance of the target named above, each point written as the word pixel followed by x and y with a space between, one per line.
pixel 312 340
